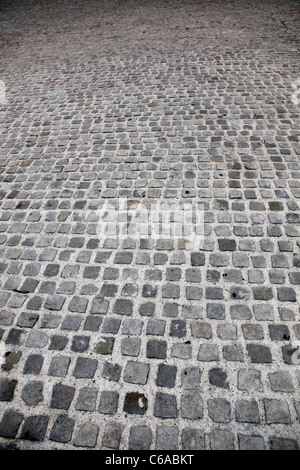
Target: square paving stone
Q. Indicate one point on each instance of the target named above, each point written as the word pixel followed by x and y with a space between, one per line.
pixel 91 272
pixel 135 403
pixel 286 294
pixel 32 393
pixel 59 366
pixel 105 345
pixel 140 438
pixel 28 286
pixel 167 438
pixel 111 371
pixel 85 368
pixel 197 259
pixel 136 372
pixel 112 435
pixel 86 435
pixel 190 378
pixel 178 328
pixel 33 364
pixel 130 346
pixel 192 439
pixel 215 311
pixel 58 343
pixel 62 396
pixel 279 333
pixel 78 304
pixel 7 389
pixel 156 327
pixel 37 339
pixel 54 302
pixel 86 400
pixel 283 444
pixel 247 411
pixel 71 322
pixel 10 423
pixel 132 326
pixel 208 352
pixel 123 307
pixel 219 410
pixel 80 343
pixel 170 309
pixel 165 406
pixel 108 290
pixel 250 379
pixel 123 257
pixel 171 291
pixel 191 405
pixel 259 353
pixel 226 244
pixel 149 290
pixel 277 411
pixel 147 309
pixel 281 381
pixel 251 442
pixel 218 378
pixel 27 319
pixel 35 428
pixel 108 402
pixel 14 337
pixel 221 439
pixel 166 376
pixel 92 323
pixel 111 325
pixel 156 349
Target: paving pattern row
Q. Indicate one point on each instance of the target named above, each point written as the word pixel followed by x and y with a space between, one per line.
pixel 124 340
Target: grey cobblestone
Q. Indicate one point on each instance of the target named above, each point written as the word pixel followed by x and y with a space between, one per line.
pixel 136 340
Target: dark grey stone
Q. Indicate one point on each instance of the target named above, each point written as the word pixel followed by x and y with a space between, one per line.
pixel 140 438
pixel 166 376
pixel 135 403
pixel 33 364
pixel 123 307
pixel 218 378
pixel 192 439
pixel 197 259
pixel 178 328
pixel 62 429
pixel 165 406
pixel 7 389
pixel 80 343
pixel 259 353
pixel 156 349
pixel 105 345
pixel 87 398
pixel 85 368
pixel 247 411
pixel 279 333
pixel 111 371
pixel 108 402
pixel 32 393
pixel 10 423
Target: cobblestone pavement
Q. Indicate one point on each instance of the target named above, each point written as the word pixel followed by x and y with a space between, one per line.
pixel 137 342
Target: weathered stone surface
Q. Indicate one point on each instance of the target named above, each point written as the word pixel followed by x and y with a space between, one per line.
pixel 149 225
